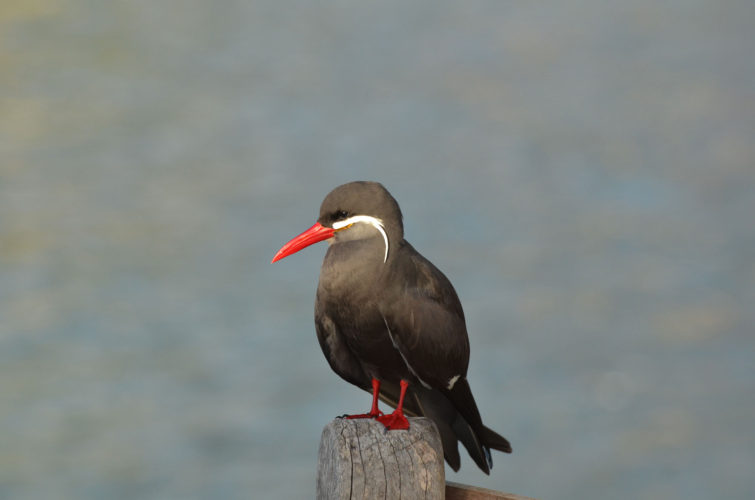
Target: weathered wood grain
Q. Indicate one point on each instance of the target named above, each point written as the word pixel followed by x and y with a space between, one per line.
pixel 359 459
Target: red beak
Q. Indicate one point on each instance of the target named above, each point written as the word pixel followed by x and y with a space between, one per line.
pixel 312 235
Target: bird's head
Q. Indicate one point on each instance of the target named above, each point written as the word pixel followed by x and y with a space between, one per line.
pixel 352 211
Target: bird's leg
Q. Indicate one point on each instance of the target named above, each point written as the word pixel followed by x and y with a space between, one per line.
pixel 374 412
pixel 397 420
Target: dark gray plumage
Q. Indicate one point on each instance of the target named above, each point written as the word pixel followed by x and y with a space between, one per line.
pixel 385 312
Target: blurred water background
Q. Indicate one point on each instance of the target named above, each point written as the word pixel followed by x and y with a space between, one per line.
pixel 582 171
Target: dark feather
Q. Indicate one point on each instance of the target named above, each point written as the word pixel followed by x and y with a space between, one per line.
pixel 398 319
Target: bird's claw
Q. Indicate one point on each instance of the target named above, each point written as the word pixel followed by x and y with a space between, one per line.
pixel 395 421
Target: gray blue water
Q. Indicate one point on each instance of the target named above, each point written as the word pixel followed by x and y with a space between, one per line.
pixel 584 173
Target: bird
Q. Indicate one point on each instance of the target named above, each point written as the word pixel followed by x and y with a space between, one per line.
pixel 391 323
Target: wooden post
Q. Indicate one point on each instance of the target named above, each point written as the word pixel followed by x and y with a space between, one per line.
pixel 359 459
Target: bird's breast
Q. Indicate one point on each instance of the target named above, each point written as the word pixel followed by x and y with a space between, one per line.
pixel 351 271
pixel 351 299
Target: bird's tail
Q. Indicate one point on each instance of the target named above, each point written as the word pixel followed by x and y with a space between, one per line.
pixel 482 438
pixel 456 416
pixel 492 439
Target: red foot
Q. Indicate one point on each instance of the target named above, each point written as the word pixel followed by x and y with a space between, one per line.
pixel 374 411
pixel 395 421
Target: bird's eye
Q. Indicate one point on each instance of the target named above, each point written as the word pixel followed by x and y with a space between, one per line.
pixel 341 214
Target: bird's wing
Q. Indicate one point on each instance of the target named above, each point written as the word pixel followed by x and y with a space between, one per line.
pixel 426 323
pixel 339 356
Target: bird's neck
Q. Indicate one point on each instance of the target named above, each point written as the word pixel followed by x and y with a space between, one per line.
pixel 353 267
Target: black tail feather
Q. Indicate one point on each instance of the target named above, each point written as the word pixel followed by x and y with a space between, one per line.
pixel 439 411
pixel 494 440
pixel 479 453
pixel 457 418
